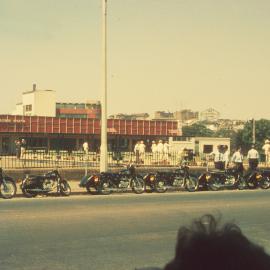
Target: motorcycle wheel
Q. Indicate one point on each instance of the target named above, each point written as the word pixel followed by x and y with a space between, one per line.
pixel 191 184
pixel 160 186
pixel 8 190
pixel 65 188
pixel 241 184
pixel 265 183
pixel 213 185
pixel 137 185
pixel 28 194
pixel 105 188
pixel 91 189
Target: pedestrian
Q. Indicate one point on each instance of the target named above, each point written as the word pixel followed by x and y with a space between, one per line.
pixel 266 148
pixel 137 152
pixel 237 159
pixel 142 151
pixel 18 148
pixel 253 158
pixel 85 147
pixel 218 158
pixel 166 149
pixel 226 157
pixel 154 151
pixel 160 150
pixel 23 148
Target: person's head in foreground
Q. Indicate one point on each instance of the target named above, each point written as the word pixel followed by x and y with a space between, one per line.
pixel 206 246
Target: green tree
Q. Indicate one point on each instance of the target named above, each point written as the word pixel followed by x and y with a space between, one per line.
pixel 197 130
pixel 262 132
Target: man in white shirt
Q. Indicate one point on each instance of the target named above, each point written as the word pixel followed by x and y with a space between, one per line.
pixel 226 156
pixel 160 150
pixel 85 147
pixel 237 159
pixel 142 151
pixel 154 151
pixel 166 149
pixel 218 158
pixel 253 158
pixel 266 149
pixel 137 152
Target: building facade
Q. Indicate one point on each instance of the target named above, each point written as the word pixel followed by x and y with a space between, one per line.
pixel 90 109
pixel 36 103
pixel 55 133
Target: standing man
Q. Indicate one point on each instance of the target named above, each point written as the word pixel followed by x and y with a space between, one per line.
pixel 160 150
pixel 266 149
pixel 154 151
pixel 218 158
pixel 137 152
pixel 23 147
pixel 142 151
pixel 166 149
pixel 237 159
pixel 18 148
pixel 85 147
pixel 253 158
pixel 226 156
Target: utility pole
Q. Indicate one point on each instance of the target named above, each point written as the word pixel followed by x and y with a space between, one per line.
pixel 253 131
pixel 103 146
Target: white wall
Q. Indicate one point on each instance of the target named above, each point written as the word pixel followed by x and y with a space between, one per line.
pixel 45 103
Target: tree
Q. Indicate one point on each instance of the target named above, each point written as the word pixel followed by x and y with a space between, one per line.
pixel 197 130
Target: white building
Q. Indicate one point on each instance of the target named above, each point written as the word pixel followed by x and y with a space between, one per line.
pixel 199 145
pixel 210 115
pixel 37 103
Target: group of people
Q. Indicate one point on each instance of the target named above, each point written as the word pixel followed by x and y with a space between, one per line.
pixel 160 151
pixel 20 146
pixel 222 158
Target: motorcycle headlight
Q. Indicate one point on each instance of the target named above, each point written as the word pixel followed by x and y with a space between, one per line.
pixel 152 178
pixel 96 179
pixel 208 177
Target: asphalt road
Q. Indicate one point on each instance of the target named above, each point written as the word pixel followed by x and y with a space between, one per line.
pixel 120 231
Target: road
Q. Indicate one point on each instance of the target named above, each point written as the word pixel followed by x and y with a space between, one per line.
pixel 120 231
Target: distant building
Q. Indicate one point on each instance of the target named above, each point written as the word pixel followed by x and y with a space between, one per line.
pixel 90 109
pixel 135 116
pixel 186 115
pixel 36 103
pixel 209 115
pixel 161 115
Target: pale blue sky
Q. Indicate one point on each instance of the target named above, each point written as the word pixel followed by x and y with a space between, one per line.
pixel 162 54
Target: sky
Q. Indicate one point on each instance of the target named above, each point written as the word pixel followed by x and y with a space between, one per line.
pixel 162 54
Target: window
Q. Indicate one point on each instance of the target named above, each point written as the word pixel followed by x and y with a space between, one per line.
pixel 28 108
pixel 207 148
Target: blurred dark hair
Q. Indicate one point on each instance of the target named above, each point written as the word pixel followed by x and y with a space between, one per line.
pixel 205 246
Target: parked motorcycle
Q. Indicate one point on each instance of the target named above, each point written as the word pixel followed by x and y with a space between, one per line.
pixel 178 179
pixel 107 182
pixel 258 178
pixel 8 187
pixel 33 185
pixel 219 179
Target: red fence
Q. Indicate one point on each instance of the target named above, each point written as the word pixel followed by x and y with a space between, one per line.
pixel 41 124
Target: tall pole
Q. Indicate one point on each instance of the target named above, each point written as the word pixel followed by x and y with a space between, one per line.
pixel 103 146
pixel 253 131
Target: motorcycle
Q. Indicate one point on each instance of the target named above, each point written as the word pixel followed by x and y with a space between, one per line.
pixel 178 179
pixel 258 178
pixel 219 179
pixel 8 187
pixel 107 182
pixel 33 185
